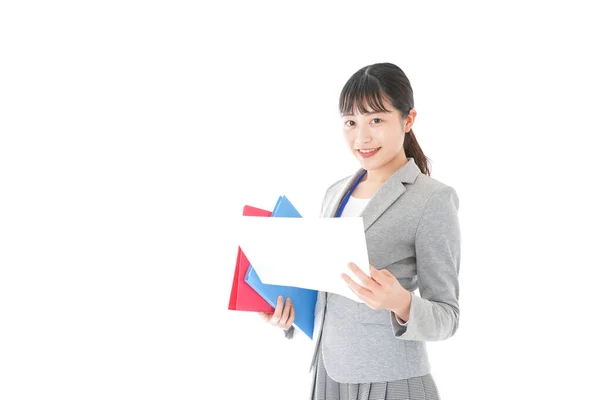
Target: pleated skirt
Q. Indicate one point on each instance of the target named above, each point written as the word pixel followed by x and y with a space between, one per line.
pixel 416 388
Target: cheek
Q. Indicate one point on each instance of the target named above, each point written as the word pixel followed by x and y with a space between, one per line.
pixel 392 143
pixel 349 138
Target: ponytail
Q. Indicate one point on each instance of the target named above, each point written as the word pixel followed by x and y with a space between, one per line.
pixel 412 149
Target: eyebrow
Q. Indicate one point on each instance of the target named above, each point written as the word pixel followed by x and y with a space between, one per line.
pixel 369 113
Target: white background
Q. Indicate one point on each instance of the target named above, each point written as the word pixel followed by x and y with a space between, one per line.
pixel 132 134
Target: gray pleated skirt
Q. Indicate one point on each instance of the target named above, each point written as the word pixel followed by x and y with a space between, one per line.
pixel 417 388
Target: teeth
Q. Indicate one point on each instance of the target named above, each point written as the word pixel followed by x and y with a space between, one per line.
pixel 367 151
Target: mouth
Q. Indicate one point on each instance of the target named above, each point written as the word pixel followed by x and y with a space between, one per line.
pixel 365 153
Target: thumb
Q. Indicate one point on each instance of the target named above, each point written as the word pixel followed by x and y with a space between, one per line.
pixel 374 271
pixel 380 275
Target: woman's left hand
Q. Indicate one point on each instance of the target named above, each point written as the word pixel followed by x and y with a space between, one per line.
pixel 380 291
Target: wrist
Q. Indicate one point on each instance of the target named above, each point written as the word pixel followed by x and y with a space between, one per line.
pixel 403 310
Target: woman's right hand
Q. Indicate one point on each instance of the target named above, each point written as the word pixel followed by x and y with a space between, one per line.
pixel 282 317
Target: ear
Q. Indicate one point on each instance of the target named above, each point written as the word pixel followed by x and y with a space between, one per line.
pixel 410 120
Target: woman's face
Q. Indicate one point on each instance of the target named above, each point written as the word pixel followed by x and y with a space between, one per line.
pixel 376 139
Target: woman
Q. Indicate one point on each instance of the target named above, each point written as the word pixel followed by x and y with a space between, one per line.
pixel 376 349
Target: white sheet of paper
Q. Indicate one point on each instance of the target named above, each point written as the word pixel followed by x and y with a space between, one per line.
pixel 309 253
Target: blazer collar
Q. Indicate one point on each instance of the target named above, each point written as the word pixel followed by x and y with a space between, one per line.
pixel 384 197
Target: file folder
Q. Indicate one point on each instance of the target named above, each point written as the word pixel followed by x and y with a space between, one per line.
pixel 303 300
pixel 243 297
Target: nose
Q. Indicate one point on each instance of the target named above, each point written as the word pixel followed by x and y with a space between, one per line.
pixel 363 135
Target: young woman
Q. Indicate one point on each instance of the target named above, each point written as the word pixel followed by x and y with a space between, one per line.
pixel 376 349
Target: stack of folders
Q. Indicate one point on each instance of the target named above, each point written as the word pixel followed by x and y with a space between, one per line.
pixel 248 293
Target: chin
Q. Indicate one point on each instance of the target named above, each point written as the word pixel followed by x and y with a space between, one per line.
pixel 368 165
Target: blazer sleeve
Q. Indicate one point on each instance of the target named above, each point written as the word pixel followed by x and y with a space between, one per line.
pixel 290 333
pixel 435 314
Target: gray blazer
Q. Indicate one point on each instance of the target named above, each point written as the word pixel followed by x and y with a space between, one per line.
pixel 412 230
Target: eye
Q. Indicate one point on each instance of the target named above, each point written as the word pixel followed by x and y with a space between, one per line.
pixel 346 123
pixel 377 119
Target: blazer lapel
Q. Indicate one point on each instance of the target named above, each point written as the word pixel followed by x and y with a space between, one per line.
pixel 383 198
pixel 389 192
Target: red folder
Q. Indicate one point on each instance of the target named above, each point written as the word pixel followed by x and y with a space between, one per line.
pixel 243 297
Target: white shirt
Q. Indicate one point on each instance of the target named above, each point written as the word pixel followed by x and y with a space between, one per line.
pixel 354 208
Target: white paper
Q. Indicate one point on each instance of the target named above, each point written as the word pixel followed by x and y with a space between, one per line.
pixel 310 253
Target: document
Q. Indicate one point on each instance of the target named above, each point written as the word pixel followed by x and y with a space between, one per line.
pixel 243 297
pixel 304 300
pixel 309 253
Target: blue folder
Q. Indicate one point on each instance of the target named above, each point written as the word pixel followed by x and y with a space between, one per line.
pixel 303 300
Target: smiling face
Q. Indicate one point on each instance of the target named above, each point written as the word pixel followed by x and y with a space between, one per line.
pixel 376 138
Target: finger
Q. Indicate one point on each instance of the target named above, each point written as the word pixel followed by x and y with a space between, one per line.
pixel 290 320
pixel 360 291
pixel 286 313
pixel 364 279
pixel 278 311
pixel 266 316
pixel 381 276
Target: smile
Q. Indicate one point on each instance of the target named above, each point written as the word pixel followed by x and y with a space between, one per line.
pixel 368 152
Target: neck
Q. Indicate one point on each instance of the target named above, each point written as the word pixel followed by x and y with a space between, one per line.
pixel 380 175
